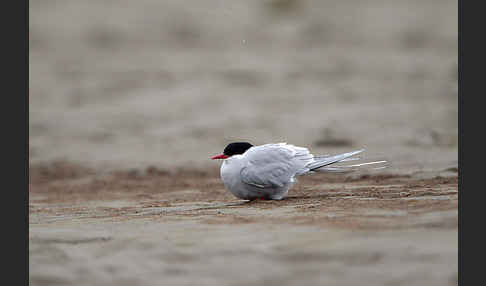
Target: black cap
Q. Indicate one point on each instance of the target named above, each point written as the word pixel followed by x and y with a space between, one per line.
pixel 236 148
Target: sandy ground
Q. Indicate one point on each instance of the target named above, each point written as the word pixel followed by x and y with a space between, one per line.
pixel 160 228
pixel 129 100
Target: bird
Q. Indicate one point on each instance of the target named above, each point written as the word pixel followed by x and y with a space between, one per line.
pixel 269 171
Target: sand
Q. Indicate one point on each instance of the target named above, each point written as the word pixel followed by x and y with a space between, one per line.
pixel 129 100
pixel 160 228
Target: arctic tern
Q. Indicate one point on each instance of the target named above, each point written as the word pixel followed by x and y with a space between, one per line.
pixel 269 171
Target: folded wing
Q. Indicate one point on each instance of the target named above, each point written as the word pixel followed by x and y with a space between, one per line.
pixel 274 165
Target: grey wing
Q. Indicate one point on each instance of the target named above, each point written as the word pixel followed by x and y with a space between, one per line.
pixel 274 165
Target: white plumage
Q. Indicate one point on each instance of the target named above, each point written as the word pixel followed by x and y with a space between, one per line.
pixel 269 171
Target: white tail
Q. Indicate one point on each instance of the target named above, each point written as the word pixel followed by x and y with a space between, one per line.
pixel 321 163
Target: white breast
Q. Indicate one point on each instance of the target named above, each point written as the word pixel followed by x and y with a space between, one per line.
pixel 230 172
pixel 230 175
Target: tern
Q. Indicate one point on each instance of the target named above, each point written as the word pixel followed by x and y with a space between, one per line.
pixel 269 171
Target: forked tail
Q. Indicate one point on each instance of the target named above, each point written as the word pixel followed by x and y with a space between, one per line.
pixel 322 163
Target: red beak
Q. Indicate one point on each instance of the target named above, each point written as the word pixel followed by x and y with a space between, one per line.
pixel 222 156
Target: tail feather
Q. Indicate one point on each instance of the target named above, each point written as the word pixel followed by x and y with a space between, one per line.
pixel 352 168
pixel 321 163
pixel 344 160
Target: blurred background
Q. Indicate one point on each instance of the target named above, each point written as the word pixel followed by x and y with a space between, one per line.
pixel 131 84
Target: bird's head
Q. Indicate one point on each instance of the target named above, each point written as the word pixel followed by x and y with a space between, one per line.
pixel 234 148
